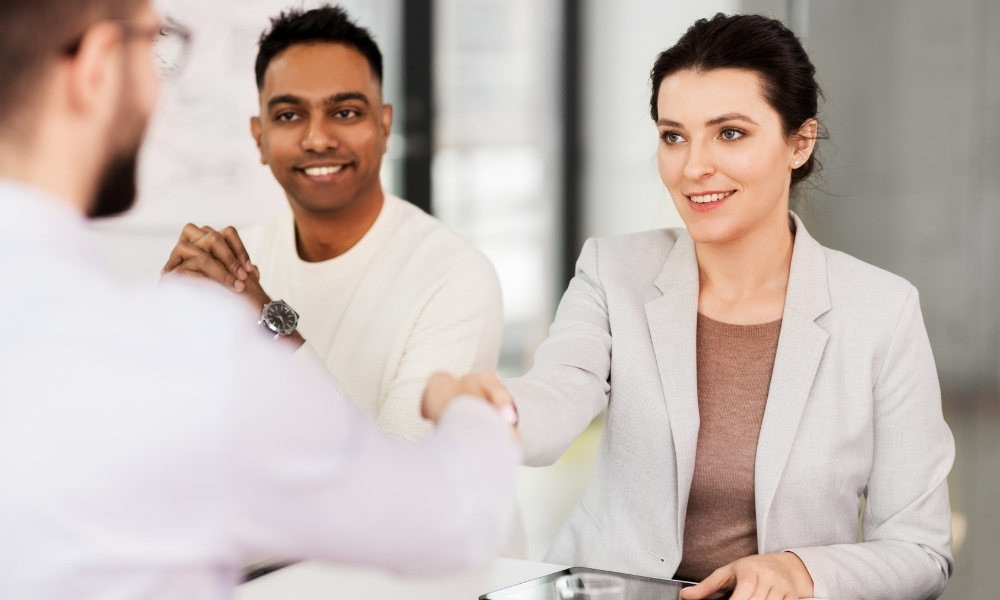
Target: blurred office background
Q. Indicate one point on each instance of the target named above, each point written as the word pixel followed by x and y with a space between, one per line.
pixel 523 124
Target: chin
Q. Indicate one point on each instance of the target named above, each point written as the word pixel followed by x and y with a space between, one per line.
pixel 713 231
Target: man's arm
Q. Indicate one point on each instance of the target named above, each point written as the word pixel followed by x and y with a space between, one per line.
pixel 313 478
pixel 221 256
pixel 459 330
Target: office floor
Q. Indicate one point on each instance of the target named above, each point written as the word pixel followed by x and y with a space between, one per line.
pixel 548 494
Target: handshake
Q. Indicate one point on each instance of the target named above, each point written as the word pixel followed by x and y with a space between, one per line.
pixel 442 388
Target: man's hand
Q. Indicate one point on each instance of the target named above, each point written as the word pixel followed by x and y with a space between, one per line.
pixel 779 576
pixel 216 255
pixel 442 388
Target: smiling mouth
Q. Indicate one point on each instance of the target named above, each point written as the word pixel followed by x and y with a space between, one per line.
pixel 322 171
pixel 705 198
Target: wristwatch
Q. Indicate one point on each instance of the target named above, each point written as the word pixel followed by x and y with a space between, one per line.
pixel 279 318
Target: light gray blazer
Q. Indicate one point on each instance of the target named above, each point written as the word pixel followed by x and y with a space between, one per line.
pixel 854 409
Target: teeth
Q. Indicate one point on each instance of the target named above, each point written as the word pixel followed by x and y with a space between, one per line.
pixel 320 171
pixel 709 197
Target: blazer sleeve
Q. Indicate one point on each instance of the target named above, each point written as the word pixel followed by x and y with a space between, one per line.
pixel 906 547
pixel 568 385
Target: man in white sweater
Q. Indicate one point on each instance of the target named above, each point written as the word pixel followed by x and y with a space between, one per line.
pixel 151 442
pixel 384 294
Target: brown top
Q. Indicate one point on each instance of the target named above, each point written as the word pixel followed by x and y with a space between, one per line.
pixel 734 374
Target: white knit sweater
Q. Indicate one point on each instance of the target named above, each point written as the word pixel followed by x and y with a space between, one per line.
pixel 410 298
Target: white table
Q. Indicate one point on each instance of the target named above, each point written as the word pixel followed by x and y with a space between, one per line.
pixel 318 581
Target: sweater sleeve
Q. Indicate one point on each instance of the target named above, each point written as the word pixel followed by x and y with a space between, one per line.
pixel 906 552
pixel 458 329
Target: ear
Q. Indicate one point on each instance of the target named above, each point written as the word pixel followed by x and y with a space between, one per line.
pixel 255 131
pixel 386 125
pixel 803 143
pixel 95 72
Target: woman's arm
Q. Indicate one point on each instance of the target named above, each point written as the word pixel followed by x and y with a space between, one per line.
pixel 568 385
pixel 906 552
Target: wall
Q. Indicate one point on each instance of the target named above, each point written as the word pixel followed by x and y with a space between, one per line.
pixel 622 190
pixel 910 181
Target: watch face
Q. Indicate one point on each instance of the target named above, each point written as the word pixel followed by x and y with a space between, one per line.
pixel 281 318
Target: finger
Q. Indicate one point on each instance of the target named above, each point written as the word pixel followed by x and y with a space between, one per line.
pixel 189 234
pixel 489 387
pixel 202 263
pixel 746 587
pixel 232 237
pixel 720 579
pixel 212 241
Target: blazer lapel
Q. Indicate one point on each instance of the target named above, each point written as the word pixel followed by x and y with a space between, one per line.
pixel 673 321
pixel 800 347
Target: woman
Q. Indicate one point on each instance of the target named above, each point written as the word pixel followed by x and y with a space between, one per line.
pixel 757 385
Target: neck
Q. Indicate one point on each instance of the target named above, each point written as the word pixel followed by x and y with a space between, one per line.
pixel 744 280
pixel 53 167
pixel 324 235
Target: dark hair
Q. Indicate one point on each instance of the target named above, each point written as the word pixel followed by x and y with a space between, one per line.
pixel 34 33
pixel 327 23
pixel 755 43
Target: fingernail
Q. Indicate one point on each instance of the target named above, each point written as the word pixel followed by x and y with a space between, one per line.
pixel 249 266
pixel 238 286
pixel 241 273
pixel 509 414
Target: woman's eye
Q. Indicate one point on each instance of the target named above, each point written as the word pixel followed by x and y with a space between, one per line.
pixel 672 137
pixel 731 134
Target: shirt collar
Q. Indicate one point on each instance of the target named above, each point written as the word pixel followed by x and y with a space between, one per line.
pixel 31 217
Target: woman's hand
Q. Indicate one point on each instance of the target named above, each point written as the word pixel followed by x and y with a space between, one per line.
pixel 443 387
pixel 779 576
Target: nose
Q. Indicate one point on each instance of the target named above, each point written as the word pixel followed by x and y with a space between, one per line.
pixel 700 163
pixel 318 137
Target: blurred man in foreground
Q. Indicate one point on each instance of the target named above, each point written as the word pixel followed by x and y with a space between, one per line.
pixel 151 442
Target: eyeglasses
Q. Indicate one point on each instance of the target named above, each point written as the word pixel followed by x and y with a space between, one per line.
pixel 170 46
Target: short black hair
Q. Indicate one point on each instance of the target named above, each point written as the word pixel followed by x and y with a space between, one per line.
pixel 754 43
pixel 327 23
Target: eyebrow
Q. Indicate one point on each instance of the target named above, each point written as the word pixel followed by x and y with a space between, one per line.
pixel 711 122
pixel 334 99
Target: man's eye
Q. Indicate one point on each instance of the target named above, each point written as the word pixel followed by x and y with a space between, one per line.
pixel 346 113
pixel 285 116
pixel 672 137
pixel 731 134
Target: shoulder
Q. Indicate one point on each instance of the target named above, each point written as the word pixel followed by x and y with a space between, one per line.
pixel 655 242
pixel 424 240
pixel 855 283
pixel 637 256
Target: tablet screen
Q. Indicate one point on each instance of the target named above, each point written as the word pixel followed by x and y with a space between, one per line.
pixel 638 588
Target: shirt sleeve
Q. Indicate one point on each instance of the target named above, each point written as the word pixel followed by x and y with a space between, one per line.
pixel 458 330
pixel 906 552
pixel 312 478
